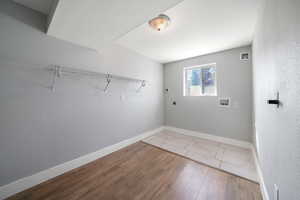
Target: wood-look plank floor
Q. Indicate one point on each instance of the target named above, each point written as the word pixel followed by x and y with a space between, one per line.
pixel 144 172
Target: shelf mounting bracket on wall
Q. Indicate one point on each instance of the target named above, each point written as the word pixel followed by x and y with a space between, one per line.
pixel 143 84
pixel 56 74
pixel 108 81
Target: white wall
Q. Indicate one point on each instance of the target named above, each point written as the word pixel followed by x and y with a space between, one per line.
pixel 276 64
pixel 202 114
pixel 40 129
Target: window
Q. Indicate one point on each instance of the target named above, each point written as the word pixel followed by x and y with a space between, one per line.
pixel 200 80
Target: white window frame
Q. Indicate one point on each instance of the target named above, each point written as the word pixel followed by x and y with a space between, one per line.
pixel 200 66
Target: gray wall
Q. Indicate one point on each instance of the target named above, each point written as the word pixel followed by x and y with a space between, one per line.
pixel 40 129
pixel 202 114
pixel 276 67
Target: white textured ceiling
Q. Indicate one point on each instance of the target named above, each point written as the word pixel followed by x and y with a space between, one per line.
pixel 96 23
pixel 198 27
pixel 43 6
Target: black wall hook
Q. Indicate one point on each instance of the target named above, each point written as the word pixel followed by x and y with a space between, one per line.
pixel 275 101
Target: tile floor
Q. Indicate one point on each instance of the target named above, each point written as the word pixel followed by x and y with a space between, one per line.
pixel 235 160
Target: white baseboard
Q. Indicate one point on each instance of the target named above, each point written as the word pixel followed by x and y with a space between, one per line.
pixel 263 188
pixel 230 141
pixel 30 181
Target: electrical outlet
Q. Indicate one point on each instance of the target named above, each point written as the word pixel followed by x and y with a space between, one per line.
pixel 276 192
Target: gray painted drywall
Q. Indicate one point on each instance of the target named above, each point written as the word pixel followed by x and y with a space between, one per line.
pixel 202 114
pixel 276 67
pixel 40 129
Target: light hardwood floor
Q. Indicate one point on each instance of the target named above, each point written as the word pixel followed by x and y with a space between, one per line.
pixel 141 171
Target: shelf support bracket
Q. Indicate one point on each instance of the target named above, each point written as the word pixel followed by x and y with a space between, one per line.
pixel 108 81
pixel 143 84
pixel 56 74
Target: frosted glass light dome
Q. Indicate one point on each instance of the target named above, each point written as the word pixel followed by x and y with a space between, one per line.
pixel 160 22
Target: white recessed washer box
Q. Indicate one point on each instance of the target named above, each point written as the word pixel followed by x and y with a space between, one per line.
pixel 224 102
pixel 244 56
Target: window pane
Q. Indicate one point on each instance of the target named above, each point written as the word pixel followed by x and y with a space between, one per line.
pixel 200 81
pixel 208 81
pixel 194 82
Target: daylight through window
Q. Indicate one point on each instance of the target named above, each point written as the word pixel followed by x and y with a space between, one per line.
pixel 200 80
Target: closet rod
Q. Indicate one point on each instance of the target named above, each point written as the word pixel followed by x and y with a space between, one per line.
pixel 60 70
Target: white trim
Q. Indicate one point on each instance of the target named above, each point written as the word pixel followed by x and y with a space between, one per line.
pixel 30 181
pixel 262 184
pixel 230 141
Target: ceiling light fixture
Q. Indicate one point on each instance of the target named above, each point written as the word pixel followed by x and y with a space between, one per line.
pixel 160 22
